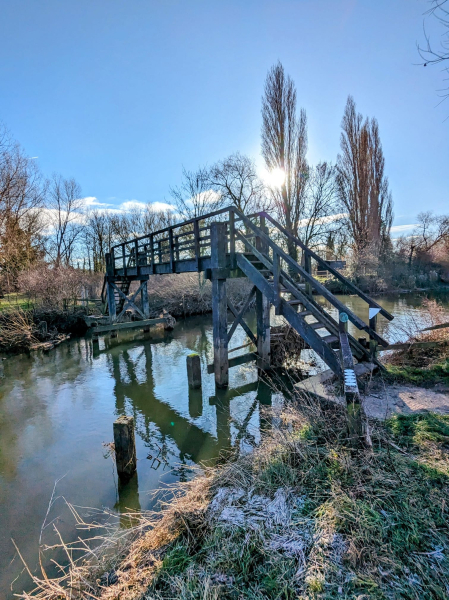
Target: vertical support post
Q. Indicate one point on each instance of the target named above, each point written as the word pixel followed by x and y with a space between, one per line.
pixel 276 282
pixel 144 297
pixel 219 303
pixel 109 263
pixel 196 243
pixel 176 238
pixel 111 301
pixel 355 413
pixel 125 447
pixel 194 371
pixel 159 250
pixel 263 330
pixel 373 325
pixel 232 238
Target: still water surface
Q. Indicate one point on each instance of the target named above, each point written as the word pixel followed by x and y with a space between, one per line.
pixel 57 411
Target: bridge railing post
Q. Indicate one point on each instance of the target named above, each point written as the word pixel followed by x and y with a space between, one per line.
pixel 152 252
pixel 219 302
pixel 196 243
pixel 123 259
pixel 308 269
pixel 171 249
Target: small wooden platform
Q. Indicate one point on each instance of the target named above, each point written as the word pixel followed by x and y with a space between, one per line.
pixel 127 326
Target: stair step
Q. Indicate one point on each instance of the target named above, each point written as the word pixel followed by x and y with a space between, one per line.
pixel 329 339
pixel 317 325
pixel 295 303
pixel 305 313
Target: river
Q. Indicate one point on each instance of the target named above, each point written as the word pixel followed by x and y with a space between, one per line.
pixel 57 411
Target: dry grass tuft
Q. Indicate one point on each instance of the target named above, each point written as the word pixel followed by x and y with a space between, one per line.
pixel 17 330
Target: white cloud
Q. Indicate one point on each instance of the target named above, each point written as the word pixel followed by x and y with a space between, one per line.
pixel 399 228
pixel 136 204
pixel 162 206
pixel 132 204
pixel 89 201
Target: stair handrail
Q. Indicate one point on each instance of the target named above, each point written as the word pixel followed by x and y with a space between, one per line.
pixel 323 291
pixel 372 303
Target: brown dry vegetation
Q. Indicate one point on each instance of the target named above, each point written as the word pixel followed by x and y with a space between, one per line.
pixel 189 294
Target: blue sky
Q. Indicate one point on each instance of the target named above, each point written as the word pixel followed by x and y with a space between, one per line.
pixel 121 94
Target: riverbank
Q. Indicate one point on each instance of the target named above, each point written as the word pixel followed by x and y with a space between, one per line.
pixel 24 327
pixel 303 515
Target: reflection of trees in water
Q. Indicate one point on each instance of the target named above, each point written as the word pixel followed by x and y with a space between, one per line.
pixel 30 383
pixel 172 439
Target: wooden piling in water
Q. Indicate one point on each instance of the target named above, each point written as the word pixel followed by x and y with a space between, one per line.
pixel 194 371
pixel 218 240
pixel 125 447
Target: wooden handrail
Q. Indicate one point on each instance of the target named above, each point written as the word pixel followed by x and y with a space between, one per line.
pixel 171 227
pixel 323 263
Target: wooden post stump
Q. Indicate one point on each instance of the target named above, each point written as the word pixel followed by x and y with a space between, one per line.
pixel 194 371
pixel 125 447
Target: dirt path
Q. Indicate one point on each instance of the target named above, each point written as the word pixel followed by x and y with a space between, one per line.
pixel 384 400
pixel 381 400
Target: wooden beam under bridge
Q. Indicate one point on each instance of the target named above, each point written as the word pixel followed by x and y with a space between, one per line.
pixel 126 326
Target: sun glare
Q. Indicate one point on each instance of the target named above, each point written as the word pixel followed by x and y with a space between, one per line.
pixel 274 178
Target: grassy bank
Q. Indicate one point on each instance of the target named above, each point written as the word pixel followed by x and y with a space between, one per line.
pixel 423 365
pixel 303 516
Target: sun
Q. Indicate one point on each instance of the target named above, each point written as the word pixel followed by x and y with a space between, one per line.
pixel 274 178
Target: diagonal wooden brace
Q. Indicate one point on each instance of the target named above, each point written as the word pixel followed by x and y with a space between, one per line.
pixel 239 319
pixel 241 313
pixel 129 301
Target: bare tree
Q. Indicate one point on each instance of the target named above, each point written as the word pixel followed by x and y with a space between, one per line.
pixel 194 197
pixel 22 192
pixel 235 179
pixel 284 146
pixel 431 232
pixel 362 186
pixel 65 218
pixel 320 208
pixel 431 54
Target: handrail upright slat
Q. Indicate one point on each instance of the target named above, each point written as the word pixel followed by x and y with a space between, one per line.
pixel 196 241
pixel 152 252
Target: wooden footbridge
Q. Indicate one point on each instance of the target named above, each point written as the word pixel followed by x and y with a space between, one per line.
pixel 227 244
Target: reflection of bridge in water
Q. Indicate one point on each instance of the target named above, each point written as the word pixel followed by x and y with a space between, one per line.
pixel 135 395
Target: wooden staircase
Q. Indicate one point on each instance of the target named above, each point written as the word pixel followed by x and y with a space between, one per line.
pixel 226 244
